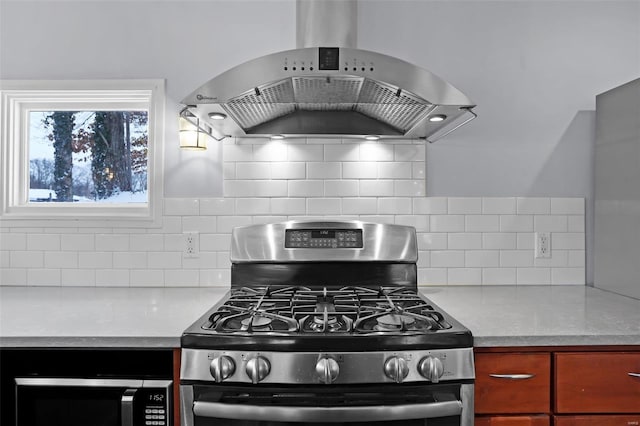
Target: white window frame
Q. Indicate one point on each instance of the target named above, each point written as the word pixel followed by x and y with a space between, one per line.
pixel 19 97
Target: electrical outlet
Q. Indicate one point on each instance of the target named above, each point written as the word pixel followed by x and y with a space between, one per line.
pixel 191 244
pixel 543 245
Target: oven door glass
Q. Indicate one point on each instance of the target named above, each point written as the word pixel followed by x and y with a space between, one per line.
pixel 436 405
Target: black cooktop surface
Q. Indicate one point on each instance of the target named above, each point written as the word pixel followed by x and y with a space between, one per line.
pixel 301 318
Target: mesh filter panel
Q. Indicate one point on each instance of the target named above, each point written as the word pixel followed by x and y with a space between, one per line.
pixel 249 109
pixel 380 102
pixel 320 93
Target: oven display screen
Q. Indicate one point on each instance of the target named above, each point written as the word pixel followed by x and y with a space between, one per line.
pixel 323 238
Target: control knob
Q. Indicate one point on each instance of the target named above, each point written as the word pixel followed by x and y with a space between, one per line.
pixel 222 367
pixel 258 368
pixel 431 368
pixel 396 368
pixel 327 370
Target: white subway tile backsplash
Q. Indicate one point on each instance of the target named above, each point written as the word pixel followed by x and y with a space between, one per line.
pixel 95 260
pixel 271 188
pixel 239 188
pixel 148 242
pixel 147 278
pixel 13 276
pixel 432 241
pixel 215 277
pixel 376 151
pixel 464 241
pixel 575 223
pixel 430 205
pixel 43 277
pixel 567 276
pixel 499 276
pixel 432 276
pixel 324 170
pixel 60 259
pixel 223 261
pixel 360 170
pixel 409 188
pixel 215 242
pixel 533 205
pixel 499 205
pixel 267 219
pixel 270 151
pixel 78 277
pixel 377 218
pixel 13 241
pixel 376 188
pixel 227 223
pixel 395 170
pixel 482 258
pixel 409 152
pixel 288 170
pixel 447 258
pixel 200 224
pixel 559 258
pixel 5 258
pixel 446 223
pixel 358 206
pixel 253 206
pixel 164 260
pixel 418 170
pixel 130 260
pixel 576 258
pixel 516 223
pixel 254 170
pixel 112 278
pixel 341 188
pixel 344 152
pixel 394 205
pixel 533 276
pixel 229 171
pixel 516 258
pixel 567 240
pixel 181 278
pixel 424 259
pixel 217 206
pixel 43 242
pixel 288 206
pixel 457 205
pixel 420 222
pixel 324 206
pixel 499 240
pixel 306 188
pixel 305 152
pixel 464 276
pixel 112 242
pixel 26 259
pixel 550 223
pixel 567 206
pixel 482 223
pixel 181 207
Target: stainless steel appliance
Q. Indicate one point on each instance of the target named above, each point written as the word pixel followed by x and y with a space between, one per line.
pixel 324 325
pixel 98 401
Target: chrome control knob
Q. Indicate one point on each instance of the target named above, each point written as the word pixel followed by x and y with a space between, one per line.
pixel 431 368
pixel 222 367
pixel 396 368
pixel 327 370
pixel 258 368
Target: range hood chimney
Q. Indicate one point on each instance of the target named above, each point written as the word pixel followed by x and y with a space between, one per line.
pixel 328 88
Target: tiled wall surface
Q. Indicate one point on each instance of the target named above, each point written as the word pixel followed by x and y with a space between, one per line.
pixel 462 241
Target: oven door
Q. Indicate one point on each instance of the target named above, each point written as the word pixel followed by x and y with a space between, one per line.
pixel 96 402
pixel 386 405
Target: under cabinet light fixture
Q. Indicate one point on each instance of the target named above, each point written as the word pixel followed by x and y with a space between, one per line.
pixel 217 116
pixel 372 137
pixel 193 134
pixel 277 137
pixel 437 118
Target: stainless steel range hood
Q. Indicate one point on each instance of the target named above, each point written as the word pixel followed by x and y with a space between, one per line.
pixel 329 91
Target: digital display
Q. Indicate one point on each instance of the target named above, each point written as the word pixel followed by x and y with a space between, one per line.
pixel 156 397
pixel 323 234
pixel 329 58
pixel 323 238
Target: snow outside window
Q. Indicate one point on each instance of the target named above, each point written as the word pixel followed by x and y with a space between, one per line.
pixel 81 150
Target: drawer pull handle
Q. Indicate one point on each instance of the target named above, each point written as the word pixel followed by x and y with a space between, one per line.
pixel 512 376
pixel 634 374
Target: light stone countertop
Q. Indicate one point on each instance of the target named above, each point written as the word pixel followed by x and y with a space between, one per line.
pixel 156 317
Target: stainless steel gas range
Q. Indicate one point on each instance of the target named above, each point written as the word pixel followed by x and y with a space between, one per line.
pixel 324 325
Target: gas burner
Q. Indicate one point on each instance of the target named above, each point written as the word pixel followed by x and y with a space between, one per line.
pixel 320 324
pixel 256 322
pixel 394 322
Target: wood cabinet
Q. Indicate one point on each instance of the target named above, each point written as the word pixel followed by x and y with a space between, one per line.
pixel 595 420
pixel 606 382
pixel 540 420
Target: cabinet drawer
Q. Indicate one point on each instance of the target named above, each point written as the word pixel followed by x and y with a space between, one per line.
pixel 539 420
pixel 598 382
pixel 512 383
pixel 597 420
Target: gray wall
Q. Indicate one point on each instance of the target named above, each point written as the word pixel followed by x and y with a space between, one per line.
pixel 533 67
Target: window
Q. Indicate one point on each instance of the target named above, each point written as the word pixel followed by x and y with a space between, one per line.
pixel 81 149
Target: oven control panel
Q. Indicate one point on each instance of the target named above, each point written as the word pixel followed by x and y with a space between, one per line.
pixel 323 238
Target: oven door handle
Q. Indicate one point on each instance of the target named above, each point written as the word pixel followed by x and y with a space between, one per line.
pixel 126 407
pixel 327 414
